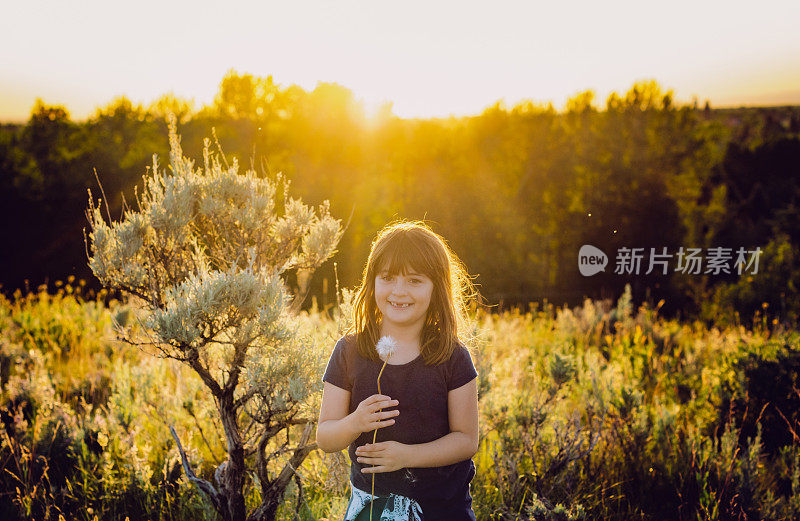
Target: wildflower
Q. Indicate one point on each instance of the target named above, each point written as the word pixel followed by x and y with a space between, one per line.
pixel 385 348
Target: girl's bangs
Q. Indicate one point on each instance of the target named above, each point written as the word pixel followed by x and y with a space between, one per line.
pixel 404 255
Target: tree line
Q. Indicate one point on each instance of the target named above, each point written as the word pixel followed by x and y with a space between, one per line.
pixel 516 190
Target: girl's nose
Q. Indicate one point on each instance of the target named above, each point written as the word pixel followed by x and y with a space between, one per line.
pixel 399 288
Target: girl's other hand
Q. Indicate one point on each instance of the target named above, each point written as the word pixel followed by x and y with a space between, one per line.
pixel 386 456
pixel 367 417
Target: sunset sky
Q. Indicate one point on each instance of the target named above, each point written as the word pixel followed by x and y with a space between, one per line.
pixel 429 58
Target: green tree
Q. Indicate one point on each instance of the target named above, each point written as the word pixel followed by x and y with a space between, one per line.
pixel 203 259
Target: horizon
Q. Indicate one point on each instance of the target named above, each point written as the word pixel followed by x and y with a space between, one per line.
pixel 764 101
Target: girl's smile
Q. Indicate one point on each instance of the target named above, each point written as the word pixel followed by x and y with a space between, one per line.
pixel 403 299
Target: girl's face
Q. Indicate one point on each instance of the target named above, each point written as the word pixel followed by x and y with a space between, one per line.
pixel 403 299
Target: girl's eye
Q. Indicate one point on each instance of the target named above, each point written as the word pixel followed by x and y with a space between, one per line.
pixel 415 281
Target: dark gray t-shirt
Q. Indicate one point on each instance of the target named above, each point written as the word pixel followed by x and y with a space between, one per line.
pixel 422 392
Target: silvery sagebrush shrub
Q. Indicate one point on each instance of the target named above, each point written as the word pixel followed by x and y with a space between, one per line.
pixel 202 260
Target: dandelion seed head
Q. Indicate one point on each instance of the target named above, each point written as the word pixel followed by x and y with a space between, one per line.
pixel 386 347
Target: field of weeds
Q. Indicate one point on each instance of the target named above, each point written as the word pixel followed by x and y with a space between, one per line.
pixel 598 412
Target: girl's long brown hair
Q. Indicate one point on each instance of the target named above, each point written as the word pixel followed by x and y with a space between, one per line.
pixel 406 246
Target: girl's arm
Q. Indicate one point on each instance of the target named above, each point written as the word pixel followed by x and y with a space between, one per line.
pixel 336 429
pixel 460 444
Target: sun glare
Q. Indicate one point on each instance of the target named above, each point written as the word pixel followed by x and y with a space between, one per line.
pixel 376 111
pixel 454 60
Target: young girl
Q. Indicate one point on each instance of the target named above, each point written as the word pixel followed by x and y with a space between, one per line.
pixel 414 289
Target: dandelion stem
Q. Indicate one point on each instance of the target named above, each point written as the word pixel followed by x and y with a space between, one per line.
pixel 374 434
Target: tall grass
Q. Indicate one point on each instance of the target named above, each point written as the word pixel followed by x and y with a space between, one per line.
pixel 597 412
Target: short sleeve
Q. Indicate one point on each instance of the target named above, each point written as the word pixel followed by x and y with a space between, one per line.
pixel 336 372
pixel 460 369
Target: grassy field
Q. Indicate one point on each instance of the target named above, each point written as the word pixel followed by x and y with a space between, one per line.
pixel 599 412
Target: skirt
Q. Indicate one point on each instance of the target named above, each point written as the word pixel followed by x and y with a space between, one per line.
pixel 387 508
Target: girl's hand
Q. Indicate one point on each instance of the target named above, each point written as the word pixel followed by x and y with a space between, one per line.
pixel 386 455
pixel 366 417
